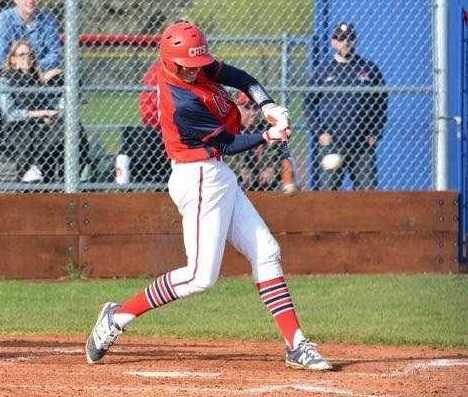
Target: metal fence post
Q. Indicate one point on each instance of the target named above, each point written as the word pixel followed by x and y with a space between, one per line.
pixel 284 68
pixel 72 102
pixel 441 19
pixel 463 162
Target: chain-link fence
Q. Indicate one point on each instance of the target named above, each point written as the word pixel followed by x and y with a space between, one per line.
pixel 360 91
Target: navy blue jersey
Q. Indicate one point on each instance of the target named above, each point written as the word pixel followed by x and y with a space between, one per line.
pixel 200 121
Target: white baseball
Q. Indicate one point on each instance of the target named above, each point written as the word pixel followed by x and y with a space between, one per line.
pixel 331 162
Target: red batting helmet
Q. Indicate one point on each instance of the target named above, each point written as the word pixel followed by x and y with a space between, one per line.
pixel 183 43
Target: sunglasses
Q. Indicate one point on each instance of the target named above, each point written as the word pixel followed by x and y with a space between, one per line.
pixel 23 54
pixel 351 38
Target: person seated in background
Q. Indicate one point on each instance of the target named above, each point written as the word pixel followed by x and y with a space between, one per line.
pixel 37 26
pixel 268 167
pixel 32 127
pixel 27 120
pixel 142 158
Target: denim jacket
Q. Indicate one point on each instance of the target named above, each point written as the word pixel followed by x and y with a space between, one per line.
pixel 42 33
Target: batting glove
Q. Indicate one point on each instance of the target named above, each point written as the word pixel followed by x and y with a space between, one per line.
pixel 276 134
pixel 276 115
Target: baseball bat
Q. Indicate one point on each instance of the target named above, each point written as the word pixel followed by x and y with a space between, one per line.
pixel 287 171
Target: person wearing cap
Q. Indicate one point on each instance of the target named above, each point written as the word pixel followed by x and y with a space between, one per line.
pixel 263 168
pixel 200 125
pixel 350 118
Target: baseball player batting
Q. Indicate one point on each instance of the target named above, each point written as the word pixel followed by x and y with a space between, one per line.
pixel 200 124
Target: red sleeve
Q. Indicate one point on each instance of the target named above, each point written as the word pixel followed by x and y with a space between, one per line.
pixel 149 99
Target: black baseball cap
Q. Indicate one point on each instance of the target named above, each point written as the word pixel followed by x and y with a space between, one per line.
pixel 344 31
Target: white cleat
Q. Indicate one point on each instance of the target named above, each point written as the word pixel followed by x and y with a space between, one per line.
pixel 306 356
pixel 104 334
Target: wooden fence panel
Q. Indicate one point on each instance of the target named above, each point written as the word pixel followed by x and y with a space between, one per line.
pixel 39 214
pixel 127 235
pixel 38 257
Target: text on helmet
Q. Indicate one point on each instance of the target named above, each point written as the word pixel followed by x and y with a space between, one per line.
pixel 197 51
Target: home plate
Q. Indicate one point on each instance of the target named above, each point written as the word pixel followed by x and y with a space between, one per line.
pixel 440 363
pixel 174 374
pixel 418 367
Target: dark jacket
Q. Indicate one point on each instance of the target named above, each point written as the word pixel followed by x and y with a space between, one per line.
pixel 14 105
pixel 349 116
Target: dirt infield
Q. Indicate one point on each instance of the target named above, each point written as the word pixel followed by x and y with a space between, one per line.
pixel 55 366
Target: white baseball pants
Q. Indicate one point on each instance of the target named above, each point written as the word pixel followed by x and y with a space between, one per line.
pixel 214 209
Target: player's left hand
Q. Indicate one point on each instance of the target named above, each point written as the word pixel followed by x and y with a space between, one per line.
pixel 276 115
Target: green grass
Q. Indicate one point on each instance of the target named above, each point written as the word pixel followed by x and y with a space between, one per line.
pixel 244 17
pixel 111 108
pixel 398 310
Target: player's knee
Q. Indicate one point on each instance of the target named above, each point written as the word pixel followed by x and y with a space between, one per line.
pixel 270 255
pixel 268 266
pixel 194 287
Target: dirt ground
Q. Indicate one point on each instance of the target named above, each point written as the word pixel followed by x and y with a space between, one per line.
pixel 55 366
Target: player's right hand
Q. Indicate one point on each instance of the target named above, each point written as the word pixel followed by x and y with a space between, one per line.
pixel 277 134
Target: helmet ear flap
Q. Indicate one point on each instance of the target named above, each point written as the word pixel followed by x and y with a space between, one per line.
pixel 171 66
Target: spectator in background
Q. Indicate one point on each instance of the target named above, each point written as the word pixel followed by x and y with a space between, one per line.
pixel 259 169
pixel 32 128
pixel 27 120
pixel 349 123
pixel 142 158
pixel 27 22
pixel 149 99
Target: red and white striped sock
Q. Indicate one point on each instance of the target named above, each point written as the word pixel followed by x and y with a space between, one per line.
pixel 160 292
pixel 275 295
